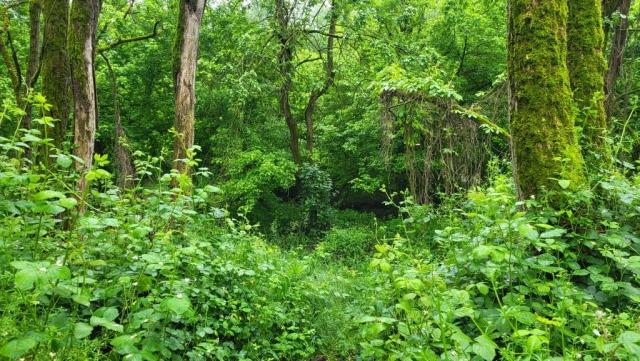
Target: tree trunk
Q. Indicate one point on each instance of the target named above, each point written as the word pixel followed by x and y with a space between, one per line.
pixel 184 77
pixel 55 65
pixel 328 82
pixel 586 70
pixel 33 61
pixel 82 38
pixel 124 167
pixel 540 102
pixel 616 56
pixel 285 58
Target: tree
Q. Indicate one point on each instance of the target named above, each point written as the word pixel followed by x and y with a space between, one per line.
pixel 55 64
pixel 285 65
pixel 616 56
pixel 184 77
pixel 586 71
pixel 22 84
pixel 82 51
pixel 544 143
pixel 329 78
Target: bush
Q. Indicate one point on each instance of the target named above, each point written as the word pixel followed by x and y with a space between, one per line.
pixel 353 244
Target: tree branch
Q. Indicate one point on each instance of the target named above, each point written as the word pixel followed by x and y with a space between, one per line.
pixel 122 41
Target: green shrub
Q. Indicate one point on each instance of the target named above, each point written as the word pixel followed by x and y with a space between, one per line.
pixel 353 244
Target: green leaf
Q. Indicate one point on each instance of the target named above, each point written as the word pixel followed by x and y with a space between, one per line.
pixel 629 340
pixel 48 194
pixel 109 325
pixel 484 347
pixel 82 330
pixel 564 183
pixel 64 161
pixel 25 279
pixel 68 203
pixel 82 299
pixel 125 344
pixel 177 305
pixel 554 233
pixel 18 347
pixel 483 288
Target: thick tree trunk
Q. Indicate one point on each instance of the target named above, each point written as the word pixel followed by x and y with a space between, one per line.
pixel 616 56
pixel 55 65
pixel 586 70
pixel 124 167
pixel 82 39
pixel 184 77
pixel 541 118
pixel 285 58
pixel 328 82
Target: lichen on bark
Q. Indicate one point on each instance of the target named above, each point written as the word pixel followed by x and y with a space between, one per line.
pixel 544 142
pixel 587 68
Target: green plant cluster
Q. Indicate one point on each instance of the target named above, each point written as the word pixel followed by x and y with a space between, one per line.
pixel 164 272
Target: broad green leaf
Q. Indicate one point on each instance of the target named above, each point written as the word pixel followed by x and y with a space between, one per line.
pixel 68 203
pixel 82 330
pixel 564 183
pixel 630 340
pixel 484 347
pixel 26 278
pixel 64 161
pixel 109 325
pixel 82 299
pixel 48 194
pixel 177 305
pixel 18 347
pixel 554 233
pixel 125 344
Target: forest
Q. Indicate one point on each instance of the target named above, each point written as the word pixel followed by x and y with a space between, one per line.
pixel 320 180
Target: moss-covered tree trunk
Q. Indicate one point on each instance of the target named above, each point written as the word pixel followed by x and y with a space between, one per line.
pixel 55 64
pixel 544 143
pixel 82 39
pixel 184 77
pixel 586 71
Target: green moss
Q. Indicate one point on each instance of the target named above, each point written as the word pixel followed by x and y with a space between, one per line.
pixel 544 141
pixel 587 67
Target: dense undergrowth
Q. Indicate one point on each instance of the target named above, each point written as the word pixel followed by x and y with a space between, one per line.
pixel 164 273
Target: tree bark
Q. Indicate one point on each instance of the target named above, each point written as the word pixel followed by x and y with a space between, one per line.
pixel 328 82
pixel 184 77
pixel 82 40
pixel 616 56
pixel 33 60
pixel 586 71
pixel 55 65
pixel 124 167
pixel 540 99
pixel 285 58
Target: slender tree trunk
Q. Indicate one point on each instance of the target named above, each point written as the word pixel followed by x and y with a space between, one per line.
pixel 33 61
pixel 285 58
pixel 328 82
pixel 586 70
pixel 124 167
pixel 55 65
pixel 608 8
pixel 9 56
pixel 184 77
pixel 540 99
pixel 82 40
pixel 616 56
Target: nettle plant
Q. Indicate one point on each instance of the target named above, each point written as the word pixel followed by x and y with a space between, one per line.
pixel 510 284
